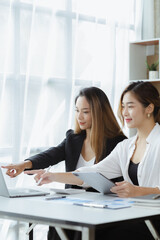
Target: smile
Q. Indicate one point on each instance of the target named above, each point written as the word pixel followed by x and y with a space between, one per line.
pixel 128 120
pixel 81 123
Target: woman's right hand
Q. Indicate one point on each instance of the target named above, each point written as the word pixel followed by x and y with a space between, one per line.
pixel 14 170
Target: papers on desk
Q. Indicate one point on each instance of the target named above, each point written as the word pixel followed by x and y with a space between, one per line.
pixel 152 200
pixel 109 204
pixel 67 191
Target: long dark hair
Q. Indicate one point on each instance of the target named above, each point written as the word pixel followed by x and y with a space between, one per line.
pixel 104 123
pixel 146 94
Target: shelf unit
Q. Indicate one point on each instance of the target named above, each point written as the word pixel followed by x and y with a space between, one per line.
pixel 139 52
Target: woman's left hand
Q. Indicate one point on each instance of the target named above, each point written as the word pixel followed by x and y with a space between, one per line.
pixel 39 173
pixel 124 189
pixel 42 176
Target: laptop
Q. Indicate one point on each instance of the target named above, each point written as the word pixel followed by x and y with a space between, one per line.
pixel 96 180
pixel 17 192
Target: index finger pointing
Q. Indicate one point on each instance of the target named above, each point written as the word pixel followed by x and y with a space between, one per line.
pixel 9 167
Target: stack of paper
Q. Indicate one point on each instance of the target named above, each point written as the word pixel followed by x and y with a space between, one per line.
pixel 152 200
pixel 115 203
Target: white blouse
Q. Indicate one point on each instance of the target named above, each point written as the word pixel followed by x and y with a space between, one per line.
pixel 83 163
pixel 117 163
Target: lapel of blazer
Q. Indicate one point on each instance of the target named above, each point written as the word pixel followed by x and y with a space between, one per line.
pixel 76 150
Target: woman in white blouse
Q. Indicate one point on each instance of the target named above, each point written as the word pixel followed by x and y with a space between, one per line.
pixel 137 159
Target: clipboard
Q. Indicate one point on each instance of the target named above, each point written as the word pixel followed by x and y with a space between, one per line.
pixel 96 180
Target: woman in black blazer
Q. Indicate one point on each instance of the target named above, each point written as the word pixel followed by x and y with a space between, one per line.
pixel 96 134
pixel 70 150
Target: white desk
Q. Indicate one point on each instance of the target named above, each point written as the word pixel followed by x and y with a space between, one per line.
pixel 85 219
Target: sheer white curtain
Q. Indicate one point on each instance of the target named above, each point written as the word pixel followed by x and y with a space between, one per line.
pixel 148 22
pixel 49 49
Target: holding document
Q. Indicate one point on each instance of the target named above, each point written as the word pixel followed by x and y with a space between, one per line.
pixel 137 158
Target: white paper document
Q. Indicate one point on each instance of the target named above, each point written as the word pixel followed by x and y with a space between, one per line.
pixel 152 200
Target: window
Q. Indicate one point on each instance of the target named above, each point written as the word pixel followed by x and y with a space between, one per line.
pixel 49 50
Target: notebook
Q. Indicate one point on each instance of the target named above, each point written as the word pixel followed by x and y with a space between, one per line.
pixel 17 192
pixel 67 191
pixel 151 200
pixel 96 180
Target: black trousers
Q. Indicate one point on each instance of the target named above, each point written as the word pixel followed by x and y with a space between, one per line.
pixel 71 234
pixel 126 231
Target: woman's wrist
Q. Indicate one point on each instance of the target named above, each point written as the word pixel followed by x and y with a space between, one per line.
pixel 27 164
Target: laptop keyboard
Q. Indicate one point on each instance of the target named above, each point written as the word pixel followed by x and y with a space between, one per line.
pixel 22 190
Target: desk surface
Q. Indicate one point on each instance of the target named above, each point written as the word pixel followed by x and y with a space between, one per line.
pixel 38 210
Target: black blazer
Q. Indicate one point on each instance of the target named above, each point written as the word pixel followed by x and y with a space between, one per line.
pixel 69 150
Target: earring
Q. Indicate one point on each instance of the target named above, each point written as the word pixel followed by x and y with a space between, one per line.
pixel 148 115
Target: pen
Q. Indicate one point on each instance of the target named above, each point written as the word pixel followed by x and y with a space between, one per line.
pixel 91 205
pixel 94 205
pixel 156 197
pixel 41 178
pixel 55 197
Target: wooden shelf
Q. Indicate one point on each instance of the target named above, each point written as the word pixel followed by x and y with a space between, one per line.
pixel 148 43
pixel 139 52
